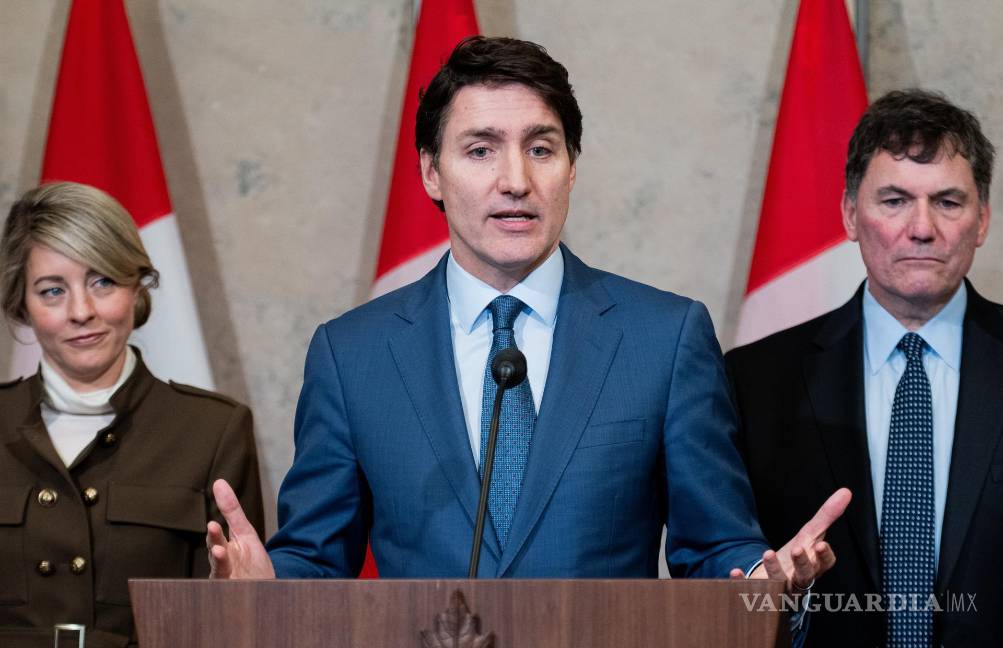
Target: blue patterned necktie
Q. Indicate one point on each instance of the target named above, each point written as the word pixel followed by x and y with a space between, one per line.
pixel 907 514
pixel 515 429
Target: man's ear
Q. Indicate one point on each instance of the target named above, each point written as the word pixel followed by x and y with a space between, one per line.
pixel 984 213
pixel 430 175
pixel 849 208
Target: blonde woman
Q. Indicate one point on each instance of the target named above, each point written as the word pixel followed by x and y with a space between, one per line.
pixel 105 471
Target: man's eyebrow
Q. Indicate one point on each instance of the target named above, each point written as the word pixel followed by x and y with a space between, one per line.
pixel 483 133
pixel 539 130
pixel 894 189
pixel 950 192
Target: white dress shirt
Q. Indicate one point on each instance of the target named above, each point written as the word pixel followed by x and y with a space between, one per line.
pixel 884 364
pixel 471 326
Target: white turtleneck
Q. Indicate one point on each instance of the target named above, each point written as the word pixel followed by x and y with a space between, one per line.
pixel 72 418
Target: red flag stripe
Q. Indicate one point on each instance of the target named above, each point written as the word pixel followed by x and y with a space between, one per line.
pixel 101 130
pixel 823 97
pixel 413 224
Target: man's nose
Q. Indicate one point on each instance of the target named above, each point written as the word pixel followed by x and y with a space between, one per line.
pixel 921 222
pixel 513 175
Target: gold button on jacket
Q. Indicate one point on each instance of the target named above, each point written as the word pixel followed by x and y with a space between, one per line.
pixel 90 496
pixel 47 497
pixel 78 565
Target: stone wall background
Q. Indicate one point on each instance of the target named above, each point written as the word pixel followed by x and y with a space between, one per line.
pixel 277 124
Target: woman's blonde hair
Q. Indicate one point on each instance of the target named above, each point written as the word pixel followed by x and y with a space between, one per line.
pixel 82 223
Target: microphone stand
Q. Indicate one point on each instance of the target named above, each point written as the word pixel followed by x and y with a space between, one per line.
pixel 505 368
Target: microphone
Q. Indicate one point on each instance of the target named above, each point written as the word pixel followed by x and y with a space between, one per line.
pixel 509 370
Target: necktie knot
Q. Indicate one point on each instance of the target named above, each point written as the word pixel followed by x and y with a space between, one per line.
pixel 504 310
pixel 912 346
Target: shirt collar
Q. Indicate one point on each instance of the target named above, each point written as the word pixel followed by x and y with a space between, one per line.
pixel 943 333
pixel 540 291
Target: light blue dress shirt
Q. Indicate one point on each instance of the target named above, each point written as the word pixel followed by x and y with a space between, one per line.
pixel 884 364
pixel 471 327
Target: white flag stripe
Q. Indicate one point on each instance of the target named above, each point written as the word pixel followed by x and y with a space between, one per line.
pixel 410 271
pixel 171 341
pixel 817 286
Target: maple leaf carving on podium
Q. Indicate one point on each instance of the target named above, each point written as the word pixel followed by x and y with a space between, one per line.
pixel 457 628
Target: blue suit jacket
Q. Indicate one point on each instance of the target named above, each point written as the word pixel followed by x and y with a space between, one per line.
pixel 636 427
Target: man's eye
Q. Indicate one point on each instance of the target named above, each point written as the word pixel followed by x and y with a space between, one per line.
pixel 539 151
pixel 479 152
pixel 893 202
pixel 949 204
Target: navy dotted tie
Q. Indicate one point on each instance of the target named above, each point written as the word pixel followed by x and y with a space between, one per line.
pixel 907 513
pixel 515 429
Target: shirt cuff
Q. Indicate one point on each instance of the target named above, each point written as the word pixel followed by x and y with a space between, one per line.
pixel 799 619
pixel 748 572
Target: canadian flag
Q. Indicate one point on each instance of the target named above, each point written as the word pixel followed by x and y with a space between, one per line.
pixel 802 264
pixel 414 230
pixel 101 133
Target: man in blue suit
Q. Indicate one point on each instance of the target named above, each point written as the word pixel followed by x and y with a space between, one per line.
pixel 625 423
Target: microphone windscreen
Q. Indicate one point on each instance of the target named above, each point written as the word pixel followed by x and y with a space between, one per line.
pixel 509 363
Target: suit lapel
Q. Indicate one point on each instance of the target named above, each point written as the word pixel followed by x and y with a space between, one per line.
pixel 32 446
pixel 582 352
pixel 977 426
pixel 29 441
pixel 423 353
pixel 834 379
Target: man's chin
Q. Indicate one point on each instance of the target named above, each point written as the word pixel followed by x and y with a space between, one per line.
pixel 522 264
pixel 927 293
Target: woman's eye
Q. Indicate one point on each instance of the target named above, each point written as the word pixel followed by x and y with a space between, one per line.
pixel 51 292
pixel 103 282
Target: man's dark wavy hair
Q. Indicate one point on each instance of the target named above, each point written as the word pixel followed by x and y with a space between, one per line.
pixel 496 62
pixel 918 124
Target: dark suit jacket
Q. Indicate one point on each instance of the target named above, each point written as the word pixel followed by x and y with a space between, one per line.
pixel 151 470
pixel 635 426
pixel 800 399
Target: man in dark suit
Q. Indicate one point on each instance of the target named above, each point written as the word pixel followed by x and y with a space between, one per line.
pixel 897 395
pixel 624 422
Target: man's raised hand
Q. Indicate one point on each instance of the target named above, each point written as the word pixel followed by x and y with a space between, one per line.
pixel 242 555
pixel 807 556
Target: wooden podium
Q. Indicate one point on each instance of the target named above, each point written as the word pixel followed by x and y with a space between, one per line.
pixel 458 613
